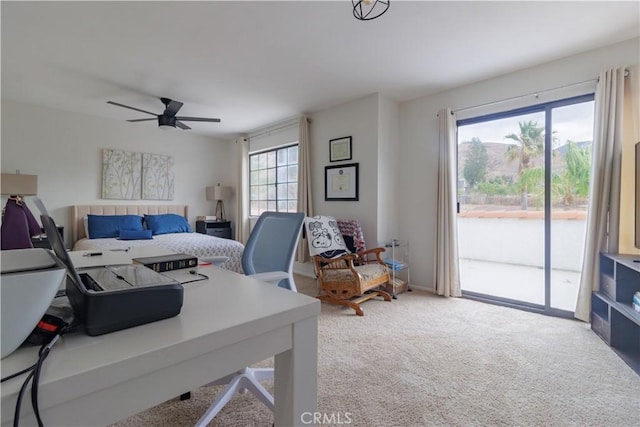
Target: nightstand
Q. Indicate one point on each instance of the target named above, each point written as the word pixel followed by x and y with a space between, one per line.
pixel 41 240
pixel 214 228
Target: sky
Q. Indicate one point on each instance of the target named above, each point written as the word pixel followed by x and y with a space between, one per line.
pixel 572 122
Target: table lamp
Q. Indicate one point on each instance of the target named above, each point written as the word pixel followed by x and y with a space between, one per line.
pixel 18 223
pixel 219 193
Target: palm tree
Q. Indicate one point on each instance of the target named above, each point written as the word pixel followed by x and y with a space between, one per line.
pixel 574 181
pixel 530 143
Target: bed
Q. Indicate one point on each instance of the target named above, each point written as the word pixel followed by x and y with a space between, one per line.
pixel 196 244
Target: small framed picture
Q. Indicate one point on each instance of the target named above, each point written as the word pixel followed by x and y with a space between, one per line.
pixel 341 182
pixel 340 149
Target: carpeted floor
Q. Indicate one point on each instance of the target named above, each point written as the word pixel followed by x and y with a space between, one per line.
pixel 422 360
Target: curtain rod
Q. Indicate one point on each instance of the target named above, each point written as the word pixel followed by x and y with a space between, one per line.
pixel 513 98
pixel 626 74
pixel 268 131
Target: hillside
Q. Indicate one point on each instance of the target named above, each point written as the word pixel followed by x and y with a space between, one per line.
pixel 498 165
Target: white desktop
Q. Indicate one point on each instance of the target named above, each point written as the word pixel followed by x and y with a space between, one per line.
pixel 227 322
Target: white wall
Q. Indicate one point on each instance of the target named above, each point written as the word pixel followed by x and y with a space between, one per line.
pixel 65 151
pixel 419 136
pixel 388 185
pixel 358 119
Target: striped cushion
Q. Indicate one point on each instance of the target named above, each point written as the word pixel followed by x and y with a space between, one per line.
pixel 365 272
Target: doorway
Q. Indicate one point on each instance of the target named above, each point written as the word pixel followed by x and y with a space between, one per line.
pixel 523 185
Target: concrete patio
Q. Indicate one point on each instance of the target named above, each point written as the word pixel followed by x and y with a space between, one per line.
pixel 519 282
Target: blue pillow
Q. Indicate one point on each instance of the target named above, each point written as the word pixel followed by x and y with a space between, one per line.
pixel 135 234
pixel 105 226
pixel 167 223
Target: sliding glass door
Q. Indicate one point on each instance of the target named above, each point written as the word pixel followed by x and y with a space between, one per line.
pixel 523 179
pixel 570 160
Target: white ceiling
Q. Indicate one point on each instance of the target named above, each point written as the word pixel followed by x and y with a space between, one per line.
pixel 256 63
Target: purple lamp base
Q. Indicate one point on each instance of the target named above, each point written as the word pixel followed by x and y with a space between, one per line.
pixel 18 225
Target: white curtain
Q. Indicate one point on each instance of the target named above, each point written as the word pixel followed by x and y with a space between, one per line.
pixel 304 182
pixel 603 219
pixel 447 271
pixel 242 198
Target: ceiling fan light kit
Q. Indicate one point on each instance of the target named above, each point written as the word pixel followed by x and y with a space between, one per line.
pixel 166 123
pixel 366 10
pixel 168 119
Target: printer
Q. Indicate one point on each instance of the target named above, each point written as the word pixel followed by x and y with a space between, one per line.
pixel 108 299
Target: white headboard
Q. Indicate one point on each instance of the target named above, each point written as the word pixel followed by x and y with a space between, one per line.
pixel 80 211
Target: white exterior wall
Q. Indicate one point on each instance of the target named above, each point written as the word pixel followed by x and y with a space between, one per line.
pixel 521 241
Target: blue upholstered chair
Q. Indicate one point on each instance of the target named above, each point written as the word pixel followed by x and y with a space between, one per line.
pixel 268 256
pixel 270 251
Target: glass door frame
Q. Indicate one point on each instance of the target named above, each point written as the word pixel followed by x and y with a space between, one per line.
pixel 547 108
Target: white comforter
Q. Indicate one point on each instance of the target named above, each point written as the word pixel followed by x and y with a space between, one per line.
pixel 196 244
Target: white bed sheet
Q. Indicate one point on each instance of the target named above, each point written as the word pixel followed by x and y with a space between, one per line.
pixel 196 244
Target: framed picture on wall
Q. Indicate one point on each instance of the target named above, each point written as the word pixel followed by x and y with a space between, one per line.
pixel 341 182
pixel 340 149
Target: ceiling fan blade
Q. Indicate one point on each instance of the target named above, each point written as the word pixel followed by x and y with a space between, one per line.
pixel 131 108
pixel 182 125
pixel 142 120
pixel 198 119
pixel 172 108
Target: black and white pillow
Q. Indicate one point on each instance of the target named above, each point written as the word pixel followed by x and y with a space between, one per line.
pixel 324 237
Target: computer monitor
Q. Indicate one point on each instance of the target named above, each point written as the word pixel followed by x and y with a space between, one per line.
pixel 57 245
pixel 40 206
pixel 73 279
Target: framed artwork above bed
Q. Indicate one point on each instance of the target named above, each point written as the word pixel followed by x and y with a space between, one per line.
pixel 157 177
pixel 121 174
pixel 129 176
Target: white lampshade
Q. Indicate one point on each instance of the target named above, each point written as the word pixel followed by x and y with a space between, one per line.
pixel 16 184
pixel 219 192
pixel 210 192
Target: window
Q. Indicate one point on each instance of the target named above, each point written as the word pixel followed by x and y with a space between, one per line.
pixel 274 180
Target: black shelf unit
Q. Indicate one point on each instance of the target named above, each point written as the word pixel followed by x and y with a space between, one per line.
pixel 612 315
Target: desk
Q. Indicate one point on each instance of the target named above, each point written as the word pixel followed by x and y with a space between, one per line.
pixel 227 323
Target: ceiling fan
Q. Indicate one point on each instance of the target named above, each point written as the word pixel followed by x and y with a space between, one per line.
pixel 168 118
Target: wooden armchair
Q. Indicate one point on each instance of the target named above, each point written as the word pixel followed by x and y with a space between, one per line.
pixel 349 279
